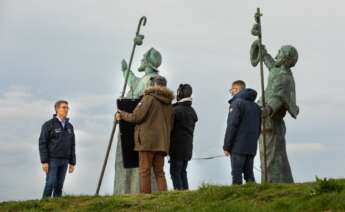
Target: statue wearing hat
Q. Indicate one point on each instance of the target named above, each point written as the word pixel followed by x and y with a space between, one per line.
pixel 127 179
pixel 280 97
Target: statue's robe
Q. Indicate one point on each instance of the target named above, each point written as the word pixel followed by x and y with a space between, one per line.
pixel 281 97
pixel 127 179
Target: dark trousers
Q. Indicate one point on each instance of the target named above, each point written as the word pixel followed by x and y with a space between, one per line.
pixel 55 177
pixel 178 173
pixel 242 164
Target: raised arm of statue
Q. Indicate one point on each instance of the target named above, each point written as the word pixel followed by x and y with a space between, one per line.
pixel 268 59
pixel 132 79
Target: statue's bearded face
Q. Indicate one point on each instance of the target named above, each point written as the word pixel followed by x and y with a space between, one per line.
pixel 280 58
pixel 152 59
pixel 143 65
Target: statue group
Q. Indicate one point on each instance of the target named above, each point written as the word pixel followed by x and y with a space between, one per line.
pixel 279 99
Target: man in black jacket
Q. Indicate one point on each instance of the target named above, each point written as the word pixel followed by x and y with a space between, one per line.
pixel 181 147
pixel 57 150
pixel 242 132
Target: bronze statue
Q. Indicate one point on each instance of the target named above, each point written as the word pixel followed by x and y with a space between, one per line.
pixel 280 97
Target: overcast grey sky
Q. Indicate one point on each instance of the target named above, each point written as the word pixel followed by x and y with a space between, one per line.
pixel 72 50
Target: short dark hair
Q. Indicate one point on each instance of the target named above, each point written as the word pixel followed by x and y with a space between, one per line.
pixel 160 81
pixel 184 91
pixel 240 83
pixel 58 103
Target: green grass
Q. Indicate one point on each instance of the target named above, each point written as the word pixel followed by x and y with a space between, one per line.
pixel 322 195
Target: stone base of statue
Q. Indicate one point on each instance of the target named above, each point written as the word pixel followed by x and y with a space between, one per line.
pixel 127 180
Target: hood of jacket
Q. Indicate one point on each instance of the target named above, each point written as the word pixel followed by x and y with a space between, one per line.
pixel 162 94
pixel 246 94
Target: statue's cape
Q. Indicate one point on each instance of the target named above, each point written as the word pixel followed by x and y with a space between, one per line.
pixel 281 87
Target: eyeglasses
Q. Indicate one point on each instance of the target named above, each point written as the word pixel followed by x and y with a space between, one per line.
pixel 65 107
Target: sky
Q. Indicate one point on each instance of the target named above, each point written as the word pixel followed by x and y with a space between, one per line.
pixel 72 50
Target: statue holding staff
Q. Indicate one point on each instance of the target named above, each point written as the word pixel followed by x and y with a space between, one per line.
pixel 280 98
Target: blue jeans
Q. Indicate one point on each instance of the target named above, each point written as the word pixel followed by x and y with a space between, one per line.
pixel 242 164
pixel 178 173
pixel 55 177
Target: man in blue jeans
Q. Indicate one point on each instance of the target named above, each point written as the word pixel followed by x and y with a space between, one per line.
pixel 242 132
pixel 57 150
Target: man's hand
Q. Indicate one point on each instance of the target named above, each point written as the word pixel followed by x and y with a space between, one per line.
pixel 118 116
pixel 45 167
pixel 71 168
pixel 227 153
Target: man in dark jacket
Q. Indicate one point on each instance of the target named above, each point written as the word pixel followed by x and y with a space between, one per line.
pixel 153 117
pixel 181 147
pixel 242 133
pixel 57 150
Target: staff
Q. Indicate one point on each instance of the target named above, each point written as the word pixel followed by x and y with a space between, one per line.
pixel 138 40
pixel 256 31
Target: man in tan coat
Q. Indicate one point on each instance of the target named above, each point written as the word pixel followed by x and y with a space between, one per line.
pixel 153 117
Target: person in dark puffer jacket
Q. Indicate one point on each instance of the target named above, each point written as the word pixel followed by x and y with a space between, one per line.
pixel 57 150
pixel 242 132
pixel 181 147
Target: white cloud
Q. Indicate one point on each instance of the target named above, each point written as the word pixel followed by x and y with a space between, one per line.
pixel 18 103
pixel 306 148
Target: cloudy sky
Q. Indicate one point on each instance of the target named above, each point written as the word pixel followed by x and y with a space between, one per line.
pixel 72 50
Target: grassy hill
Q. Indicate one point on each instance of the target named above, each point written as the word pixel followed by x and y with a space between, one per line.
pixel 322 195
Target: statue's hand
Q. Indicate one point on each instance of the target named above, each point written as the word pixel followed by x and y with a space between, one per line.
pixel 138 40
pixel 266 111
pixel 264 50
pixel 256 30
pixel 124 65
pixel 257 17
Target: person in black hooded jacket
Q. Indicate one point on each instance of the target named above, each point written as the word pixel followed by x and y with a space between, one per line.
pixel 181 147
pixel 242 132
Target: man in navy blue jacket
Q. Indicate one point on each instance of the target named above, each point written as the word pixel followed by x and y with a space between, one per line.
pixel 57 150
pixel 242 132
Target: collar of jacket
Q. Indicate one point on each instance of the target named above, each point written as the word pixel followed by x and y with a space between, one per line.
pixel 163 94
pixel 188 99
pixel 233 98
pixel 55 117
pixel 185 102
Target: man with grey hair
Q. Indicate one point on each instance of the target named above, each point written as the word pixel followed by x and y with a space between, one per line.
pixel 153 117
pixel 57 149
